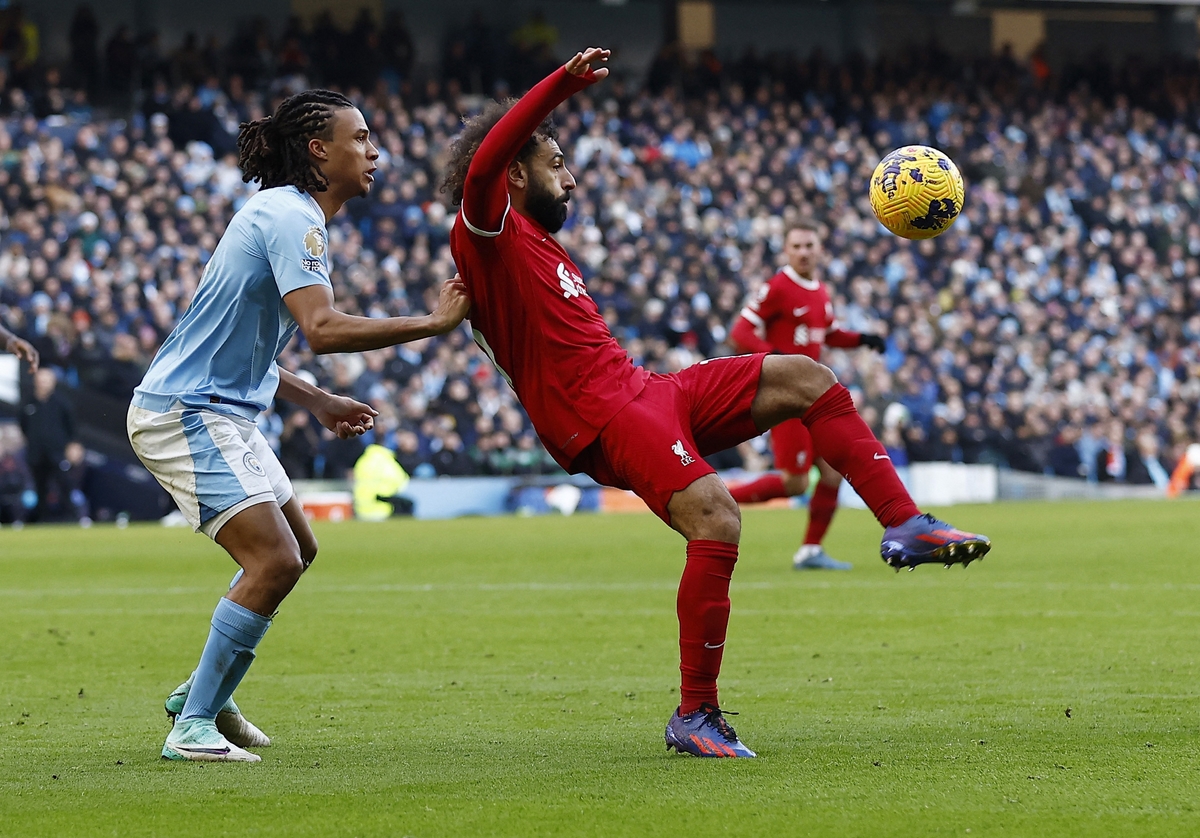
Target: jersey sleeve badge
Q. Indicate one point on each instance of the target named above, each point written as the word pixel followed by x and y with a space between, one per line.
pixel 314 246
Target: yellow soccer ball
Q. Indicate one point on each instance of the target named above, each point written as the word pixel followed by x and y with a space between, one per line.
pixel 916 192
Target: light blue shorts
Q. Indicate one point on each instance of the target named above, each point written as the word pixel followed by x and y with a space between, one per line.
pixel 213 464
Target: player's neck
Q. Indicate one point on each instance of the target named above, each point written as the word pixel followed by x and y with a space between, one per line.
pixel 329 203
pixel 518 203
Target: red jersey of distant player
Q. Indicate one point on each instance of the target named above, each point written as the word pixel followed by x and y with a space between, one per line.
pixel 794 316
pixel 791 315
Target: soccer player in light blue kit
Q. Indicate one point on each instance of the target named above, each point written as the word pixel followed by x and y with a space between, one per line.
pixel 192 418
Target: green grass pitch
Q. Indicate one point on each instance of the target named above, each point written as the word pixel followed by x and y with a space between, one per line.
pixel 512 677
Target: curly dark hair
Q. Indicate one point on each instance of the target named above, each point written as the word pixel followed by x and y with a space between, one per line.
pixel 274 150
pixel 462 149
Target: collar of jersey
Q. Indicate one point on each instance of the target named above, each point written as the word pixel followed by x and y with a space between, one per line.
pixel 806 284
pixel 312 201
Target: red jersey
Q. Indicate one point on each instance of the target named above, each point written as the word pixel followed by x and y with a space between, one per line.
pixel 791 315
pixel 530 310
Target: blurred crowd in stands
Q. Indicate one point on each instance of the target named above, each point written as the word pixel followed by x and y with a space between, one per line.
pixel 1053 329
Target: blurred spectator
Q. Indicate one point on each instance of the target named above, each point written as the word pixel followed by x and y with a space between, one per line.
pixel 84 36
pixel 533 44
pixel 15 479
pixel 396 45
pixel 48 422
pixel 378 482
pixel 1142 463
pixel 76 484
pixel 299 444
pixel 20 44
pixel 120 58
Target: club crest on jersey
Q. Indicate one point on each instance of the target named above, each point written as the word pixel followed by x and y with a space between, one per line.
pixel 684 457
pixel 314 246
pixel 571 282
pixel 252 464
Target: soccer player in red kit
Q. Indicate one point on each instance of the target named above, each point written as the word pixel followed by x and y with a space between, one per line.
pixel 792 315
pixel 599 414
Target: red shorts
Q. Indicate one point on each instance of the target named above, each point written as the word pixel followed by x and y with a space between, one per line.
pixel 655 444
pixel 793 447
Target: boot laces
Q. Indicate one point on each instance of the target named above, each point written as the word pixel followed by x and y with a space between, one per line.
pixel 715 716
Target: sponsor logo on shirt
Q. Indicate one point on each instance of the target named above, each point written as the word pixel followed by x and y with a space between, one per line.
pixel 684 457
pixel 805 335
pixel 314 246
pixel 571 282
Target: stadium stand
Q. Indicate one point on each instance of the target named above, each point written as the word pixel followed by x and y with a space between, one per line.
pixel 1053 329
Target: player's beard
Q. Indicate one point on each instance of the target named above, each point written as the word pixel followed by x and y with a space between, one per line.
pixel 544 207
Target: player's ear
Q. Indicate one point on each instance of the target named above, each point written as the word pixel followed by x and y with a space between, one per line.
pixel 518 177
pixel 316 147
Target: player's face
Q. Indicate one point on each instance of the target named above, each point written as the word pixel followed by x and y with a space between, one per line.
pixel 550 185
pixel 351 156
pixel 803 249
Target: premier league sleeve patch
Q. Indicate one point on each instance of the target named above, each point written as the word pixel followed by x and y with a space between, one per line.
pixel 314 246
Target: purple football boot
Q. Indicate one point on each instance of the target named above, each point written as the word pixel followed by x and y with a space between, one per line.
pixel 923 539
pixel 705 733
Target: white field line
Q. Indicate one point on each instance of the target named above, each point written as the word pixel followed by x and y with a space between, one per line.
pixel 584 587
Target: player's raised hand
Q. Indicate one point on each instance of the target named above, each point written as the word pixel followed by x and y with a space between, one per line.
pixel 453 304
pixel 582 62
pixel 23 350
pixel 345 416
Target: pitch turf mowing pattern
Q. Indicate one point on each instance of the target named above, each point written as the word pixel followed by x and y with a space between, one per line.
pixel 513 677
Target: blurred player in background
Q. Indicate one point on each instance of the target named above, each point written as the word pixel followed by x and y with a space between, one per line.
pixel 192 418
pixel 793 315
pixel 599 414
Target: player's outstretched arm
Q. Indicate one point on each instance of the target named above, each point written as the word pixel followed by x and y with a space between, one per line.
pixel 845 339
pixel 344 416
pixel 23 349
pixel 328 330
pixel 485 190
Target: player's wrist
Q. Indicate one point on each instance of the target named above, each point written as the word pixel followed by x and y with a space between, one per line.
pixel 438 322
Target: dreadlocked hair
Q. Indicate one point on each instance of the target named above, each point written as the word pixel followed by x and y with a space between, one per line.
pixel 274 150
pixel 462 149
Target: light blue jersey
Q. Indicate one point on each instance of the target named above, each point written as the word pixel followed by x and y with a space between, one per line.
pixel 222 352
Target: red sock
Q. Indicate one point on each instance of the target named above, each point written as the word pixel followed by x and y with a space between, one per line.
pixel 703 608
pixel 820 512
pixel 756 491
pixel 848 445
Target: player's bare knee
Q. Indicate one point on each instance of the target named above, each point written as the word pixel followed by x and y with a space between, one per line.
pixel 291 567
pixel 812 379
pixel 282 570
pixel 308 551
pixel 789 386
pixel 720 519
pixel 706 510
pixel 725 525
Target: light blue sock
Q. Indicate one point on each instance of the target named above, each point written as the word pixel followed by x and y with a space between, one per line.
pixel 236 578
pixel 227 655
